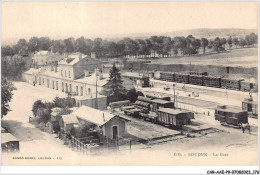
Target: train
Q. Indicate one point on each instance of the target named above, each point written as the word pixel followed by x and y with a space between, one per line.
pixel 159 111
pixel 231 115
pixel 203 79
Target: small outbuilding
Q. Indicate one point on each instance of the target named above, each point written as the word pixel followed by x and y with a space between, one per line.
pixel 112 126
pixel 9 143
pixel 67 122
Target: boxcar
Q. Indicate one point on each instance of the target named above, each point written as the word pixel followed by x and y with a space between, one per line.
pixel 174 118
pixel 231 84
pixel 231 115
pixel 198 73
pixel 167 76
pixel 212 81
pixel 250 106
pixel 159 103
pixel 196 80
pixel 182 77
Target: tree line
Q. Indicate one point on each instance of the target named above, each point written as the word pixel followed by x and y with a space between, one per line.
pixel 151 47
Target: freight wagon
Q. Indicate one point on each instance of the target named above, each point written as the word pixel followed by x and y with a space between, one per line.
pixel 174 118
pixel 250 106
pixel 159 103
pixel 231 84
pixel 198 73
pixel 231 115
pixel 182 77
pixel 196 80
pixel 167 76
pixel 212 81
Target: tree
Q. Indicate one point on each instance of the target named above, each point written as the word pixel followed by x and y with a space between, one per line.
pixel 44 43
pixel 7 51
pixel 242 42
pixel 69 45
pixel 223 42
pixel 44 115
pixel 6 93
pixel 230 41
pixel 34 44
pixel 204 44
pixel 37 105
pixel 251 39
pixel 235 41
pixel 217 44
pixel 132 95
pixel 114 88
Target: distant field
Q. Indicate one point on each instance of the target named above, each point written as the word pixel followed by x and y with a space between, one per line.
pixel 245 57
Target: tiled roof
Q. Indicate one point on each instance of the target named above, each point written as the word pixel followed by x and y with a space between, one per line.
pixel 7 137
pixel 69 119
pixel 93 115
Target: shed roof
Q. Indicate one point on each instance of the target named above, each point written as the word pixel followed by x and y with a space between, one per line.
pixel 7 137
pixel 160 101
pixel 92 115
pixel 69 119
pixel 173 111
pixel 232 109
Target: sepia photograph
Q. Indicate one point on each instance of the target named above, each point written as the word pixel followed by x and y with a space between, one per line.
pixel 129 83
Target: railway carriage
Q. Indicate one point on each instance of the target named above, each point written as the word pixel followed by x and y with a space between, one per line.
pixel 174 118
pixel 231 115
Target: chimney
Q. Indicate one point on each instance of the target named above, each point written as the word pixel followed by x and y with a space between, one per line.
pixel 65 56
pixel 104 117
pixel 93 55
pixel 86 72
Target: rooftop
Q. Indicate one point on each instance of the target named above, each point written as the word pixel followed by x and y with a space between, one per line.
pixel 92 80
pixel 232 109
pixel 160 101
pixel 69 119
pixel 92 96
pixel 92 115
pixel 73 58
pixel 172 111
pixel 7 137
pixel 133 74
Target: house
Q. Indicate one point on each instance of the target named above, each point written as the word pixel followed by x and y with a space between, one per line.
pixel 67 122
pixel 140 79
pixel 45 57
pixel 9 143
pixel 112 126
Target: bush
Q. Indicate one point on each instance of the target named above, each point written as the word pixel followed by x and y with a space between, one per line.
pixel 37 105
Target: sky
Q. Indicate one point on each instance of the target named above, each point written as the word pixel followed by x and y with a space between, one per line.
pixel 99 19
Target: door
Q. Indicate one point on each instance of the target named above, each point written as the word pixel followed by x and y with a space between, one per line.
pixel 115 132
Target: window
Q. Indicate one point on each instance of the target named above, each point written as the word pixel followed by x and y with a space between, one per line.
pixel 81 91
pixel 69 74
pixel 62 86
pixel 66 86
pixel 43 81
pixel 89 91
pixel 61 73
pixel 57 84
pixel 48 83
pixel 70 88
pixel 53 84
pixel 77 89
pixel 65 73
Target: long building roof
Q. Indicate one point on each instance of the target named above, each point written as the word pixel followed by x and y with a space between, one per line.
pixel 92 115
pixel 7 137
